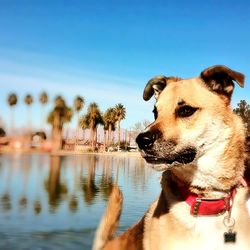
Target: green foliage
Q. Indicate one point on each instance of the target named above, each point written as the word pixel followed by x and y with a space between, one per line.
pixel 120 112
pixel 109 119
pixel 43 98
pixel 90 150
pixel 243 110
pixel 12 99
pixel 60 114
pixel 28 99
pixel 123 145
pixel 92 118
pixel 84 122
pixel 79 103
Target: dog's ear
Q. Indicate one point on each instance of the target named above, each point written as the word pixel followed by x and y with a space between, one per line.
pixel 221 80
pixel 156 85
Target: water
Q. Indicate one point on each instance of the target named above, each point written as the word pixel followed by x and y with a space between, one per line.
pixel 51 202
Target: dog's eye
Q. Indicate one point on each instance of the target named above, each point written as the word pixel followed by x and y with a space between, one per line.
pixel 185 111
pixel 155 113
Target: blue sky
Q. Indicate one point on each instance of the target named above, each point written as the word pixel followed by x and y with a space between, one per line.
pixel 107 50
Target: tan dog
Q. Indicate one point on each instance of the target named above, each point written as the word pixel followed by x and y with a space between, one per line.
pixel 198 143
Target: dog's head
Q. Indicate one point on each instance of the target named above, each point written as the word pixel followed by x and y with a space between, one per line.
pixel 193 120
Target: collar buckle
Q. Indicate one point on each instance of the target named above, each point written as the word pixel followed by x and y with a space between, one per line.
pixel 196 206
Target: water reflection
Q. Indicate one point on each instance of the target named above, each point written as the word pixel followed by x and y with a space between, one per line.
pixel 55 188
pixel 88 184
pixel 53 195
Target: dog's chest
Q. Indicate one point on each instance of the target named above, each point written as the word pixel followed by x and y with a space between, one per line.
pixel 178 230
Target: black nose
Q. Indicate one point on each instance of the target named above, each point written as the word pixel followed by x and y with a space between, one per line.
pixel 146 140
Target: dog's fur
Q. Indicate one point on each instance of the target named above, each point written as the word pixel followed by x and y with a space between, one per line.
pixel 198 142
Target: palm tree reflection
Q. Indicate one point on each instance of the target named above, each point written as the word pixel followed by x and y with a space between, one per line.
pixel 6 198
pixel 23 201
pixel 37 206
pixel 73 200
pixel 89 176
pixel 89 187
pixel 26 165
pixel 106 182
pixel 5 202
pixel 55 189
pixel 73 204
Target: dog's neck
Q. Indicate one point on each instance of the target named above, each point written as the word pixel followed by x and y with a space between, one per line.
pixel 201 202
pixel 171 182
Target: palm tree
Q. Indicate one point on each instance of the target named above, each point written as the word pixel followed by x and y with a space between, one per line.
pixel 12 101
pixel 28 100
pixel 83 124
pixel 105 129
pixel 78 106
pixel 93 118
pixel 43 99
pixel 109 122
pixel 60 114
pixel 120 112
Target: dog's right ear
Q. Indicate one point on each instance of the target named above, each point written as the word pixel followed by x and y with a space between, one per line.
pixel 156 85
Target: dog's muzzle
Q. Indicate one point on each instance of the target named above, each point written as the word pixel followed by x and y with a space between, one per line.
pixel 155 150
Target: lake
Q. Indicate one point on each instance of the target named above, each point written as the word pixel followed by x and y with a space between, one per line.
pixel 56 202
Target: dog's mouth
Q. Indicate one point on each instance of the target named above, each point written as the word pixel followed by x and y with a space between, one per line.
pixel 184 157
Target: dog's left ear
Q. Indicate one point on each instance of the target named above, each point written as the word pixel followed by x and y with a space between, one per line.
pixel 221 80
pixel 156 85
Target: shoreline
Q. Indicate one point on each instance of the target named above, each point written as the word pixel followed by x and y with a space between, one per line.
pixel 67 152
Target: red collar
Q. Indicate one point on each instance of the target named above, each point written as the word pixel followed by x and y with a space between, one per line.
pixel 200 206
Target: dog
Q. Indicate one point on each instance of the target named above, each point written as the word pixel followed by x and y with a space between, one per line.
pixel 197 142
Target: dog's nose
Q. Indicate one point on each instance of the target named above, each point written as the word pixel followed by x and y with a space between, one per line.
pixel 146 140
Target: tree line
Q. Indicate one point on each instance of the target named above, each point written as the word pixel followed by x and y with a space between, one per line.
pixel 61 113
pixel 110 119
pixel 243 110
